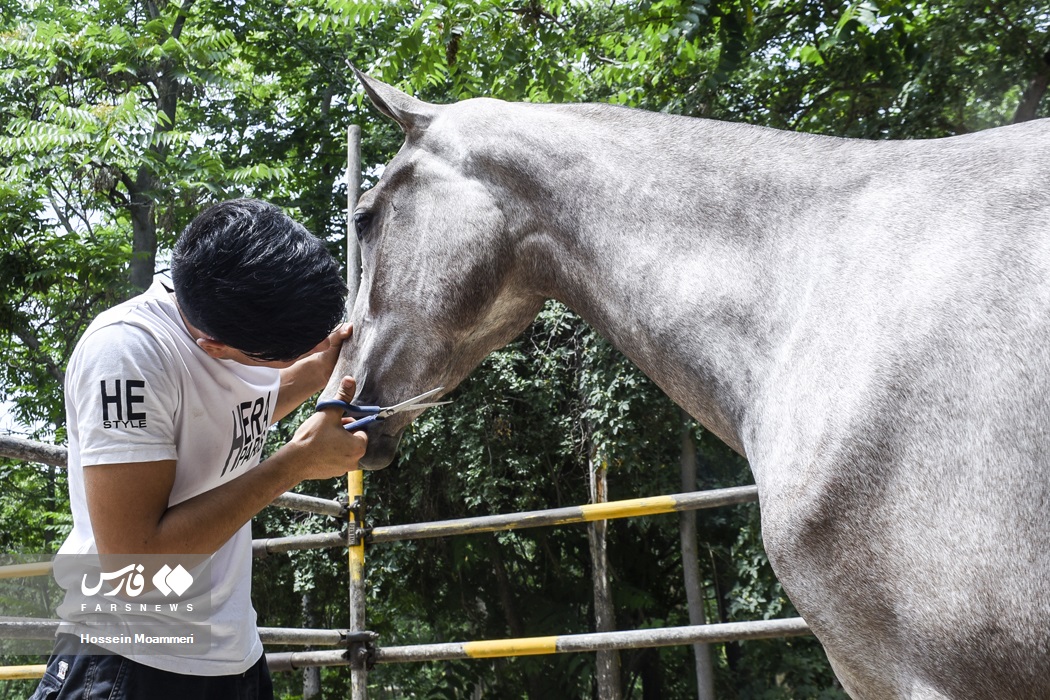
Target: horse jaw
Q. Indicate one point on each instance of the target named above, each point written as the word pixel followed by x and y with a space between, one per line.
pixel 383 437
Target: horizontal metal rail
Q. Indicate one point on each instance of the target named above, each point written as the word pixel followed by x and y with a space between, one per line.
pixel 27 628
pixel 310 504
pixel 294 660
pixel 302 637
pixel 36 568
pixel 22 673
pixel 558 644
pixel 501 648
pixel 652 505
pixel 631 639
pixel 277 662
pixel 274 545
pixel 56 456
pixel 261 549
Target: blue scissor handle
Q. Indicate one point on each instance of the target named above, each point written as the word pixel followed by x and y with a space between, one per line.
pixel 370 413
pixel 360 424
pixel 349 410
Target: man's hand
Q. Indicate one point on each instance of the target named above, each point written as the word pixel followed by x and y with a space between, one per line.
pixel 310 373
pixel 326 357
pixel 324 446
pixel 128 503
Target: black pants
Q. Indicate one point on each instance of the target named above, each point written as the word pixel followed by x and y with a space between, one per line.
pixel 82 676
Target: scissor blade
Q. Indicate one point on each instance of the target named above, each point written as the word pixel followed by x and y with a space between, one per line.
pixel 411 403
pixel 421 406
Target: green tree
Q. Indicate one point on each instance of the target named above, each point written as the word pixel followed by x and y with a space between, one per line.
pixel 119 120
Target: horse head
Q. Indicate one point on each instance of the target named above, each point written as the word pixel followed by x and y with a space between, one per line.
pixel 442 283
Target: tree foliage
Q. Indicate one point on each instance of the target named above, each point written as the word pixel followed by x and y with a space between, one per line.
pixel 118 121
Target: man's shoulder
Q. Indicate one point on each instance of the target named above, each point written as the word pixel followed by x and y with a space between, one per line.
pixel 152 308
pixel 141 328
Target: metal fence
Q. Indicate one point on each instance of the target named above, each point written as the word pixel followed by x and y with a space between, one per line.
pixel 357 647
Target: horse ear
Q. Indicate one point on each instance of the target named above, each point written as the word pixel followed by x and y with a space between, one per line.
pixel 409 113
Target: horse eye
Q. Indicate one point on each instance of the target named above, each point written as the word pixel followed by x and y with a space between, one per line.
pixel 361 221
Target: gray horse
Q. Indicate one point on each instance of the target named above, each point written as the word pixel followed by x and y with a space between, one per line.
pixel 867 322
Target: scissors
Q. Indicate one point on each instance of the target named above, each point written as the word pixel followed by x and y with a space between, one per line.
pixel 373 414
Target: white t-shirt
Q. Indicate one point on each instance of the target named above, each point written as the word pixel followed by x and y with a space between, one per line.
pixel 139 389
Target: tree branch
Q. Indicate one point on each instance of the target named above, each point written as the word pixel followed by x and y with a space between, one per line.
pixel 26 335
pixel 70 206
pixel 180 20
pixel 30 451
pixel 60 213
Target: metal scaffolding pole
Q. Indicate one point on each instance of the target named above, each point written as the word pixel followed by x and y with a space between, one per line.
pixel 55 455
pixel 557 644
pixel 609 510
pixel 320 540
pixel 631 639
pixel 310 504
pixel 358 648
pixel 356 556
pixel 355 540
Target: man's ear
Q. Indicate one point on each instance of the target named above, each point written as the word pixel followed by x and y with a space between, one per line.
pixel 214 348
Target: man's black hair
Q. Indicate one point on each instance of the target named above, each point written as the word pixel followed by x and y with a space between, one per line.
pixel 249 276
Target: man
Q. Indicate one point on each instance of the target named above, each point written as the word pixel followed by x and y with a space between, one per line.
pixel 168 398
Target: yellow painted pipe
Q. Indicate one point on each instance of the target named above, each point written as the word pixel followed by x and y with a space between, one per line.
pixel 19 673
pixel 356 560
pixel 355 488
pixel 511 647
pixel 629 508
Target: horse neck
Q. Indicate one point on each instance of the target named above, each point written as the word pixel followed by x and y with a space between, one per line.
pixel 678 247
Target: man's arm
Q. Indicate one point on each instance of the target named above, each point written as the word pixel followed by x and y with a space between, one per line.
pixel 309 375
pixel 128 503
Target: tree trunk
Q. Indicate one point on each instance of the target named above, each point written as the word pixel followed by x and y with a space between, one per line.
pixel 705 688
pixel 510 612
pixel 1034 93
pixel 144 230
pixel 312 675
pixel 652 676
pixel 143 190
pixel 608 661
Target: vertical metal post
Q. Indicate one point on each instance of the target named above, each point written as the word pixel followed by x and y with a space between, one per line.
pixel 607 661
pixel 358 667
pixel 353 191
pixel 355 479
pixel 694 591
